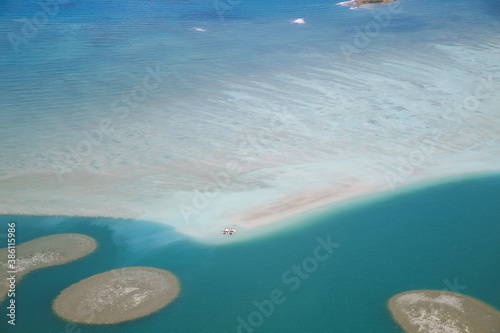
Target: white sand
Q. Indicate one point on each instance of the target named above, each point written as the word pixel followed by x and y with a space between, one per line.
pixel 433 311
pixel 448 299
pixel 280 143
pixel 118 295
pixel 43 252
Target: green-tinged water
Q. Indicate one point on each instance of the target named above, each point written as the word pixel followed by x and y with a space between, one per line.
pixel 444 237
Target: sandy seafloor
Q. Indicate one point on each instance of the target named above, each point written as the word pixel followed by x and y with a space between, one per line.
pixel 286 119
pixel 444 237
pixel 297 115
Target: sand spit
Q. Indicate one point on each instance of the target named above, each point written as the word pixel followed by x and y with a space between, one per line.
pixel 117 295
pixel 43 252
pixel 433 311
pixel 407 123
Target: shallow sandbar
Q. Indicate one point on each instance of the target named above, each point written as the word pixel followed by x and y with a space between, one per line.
pixel 118 295
pixel 441 311
pixel 43 252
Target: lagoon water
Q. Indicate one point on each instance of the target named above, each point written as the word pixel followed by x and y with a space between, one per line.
pixel 444 237
pixel 225 67
pixel 343 75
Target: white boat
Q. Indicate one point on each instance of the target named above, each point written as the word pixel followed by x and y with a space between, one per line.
pixel 229 231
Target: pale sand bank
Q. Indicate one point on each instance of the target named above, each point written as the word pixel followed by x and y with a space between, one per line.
pixel 433 311
pixel 260 211
pixel 408 122
pixel 43 252
pixel 117 295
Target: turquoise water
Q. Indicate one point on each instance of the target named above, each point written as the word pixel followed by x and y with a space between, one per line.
pixel 444 237
pixel 248 65
pixel 62 78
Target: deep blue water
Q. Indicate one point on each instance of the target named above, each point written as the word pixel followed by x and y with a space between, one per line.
pixel 444 237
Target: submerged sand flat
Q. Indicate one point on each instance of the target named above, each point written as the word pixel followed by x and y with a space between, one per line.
pixel 433 311
pixel 117 295
pixel 255 148
pixel 44 252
